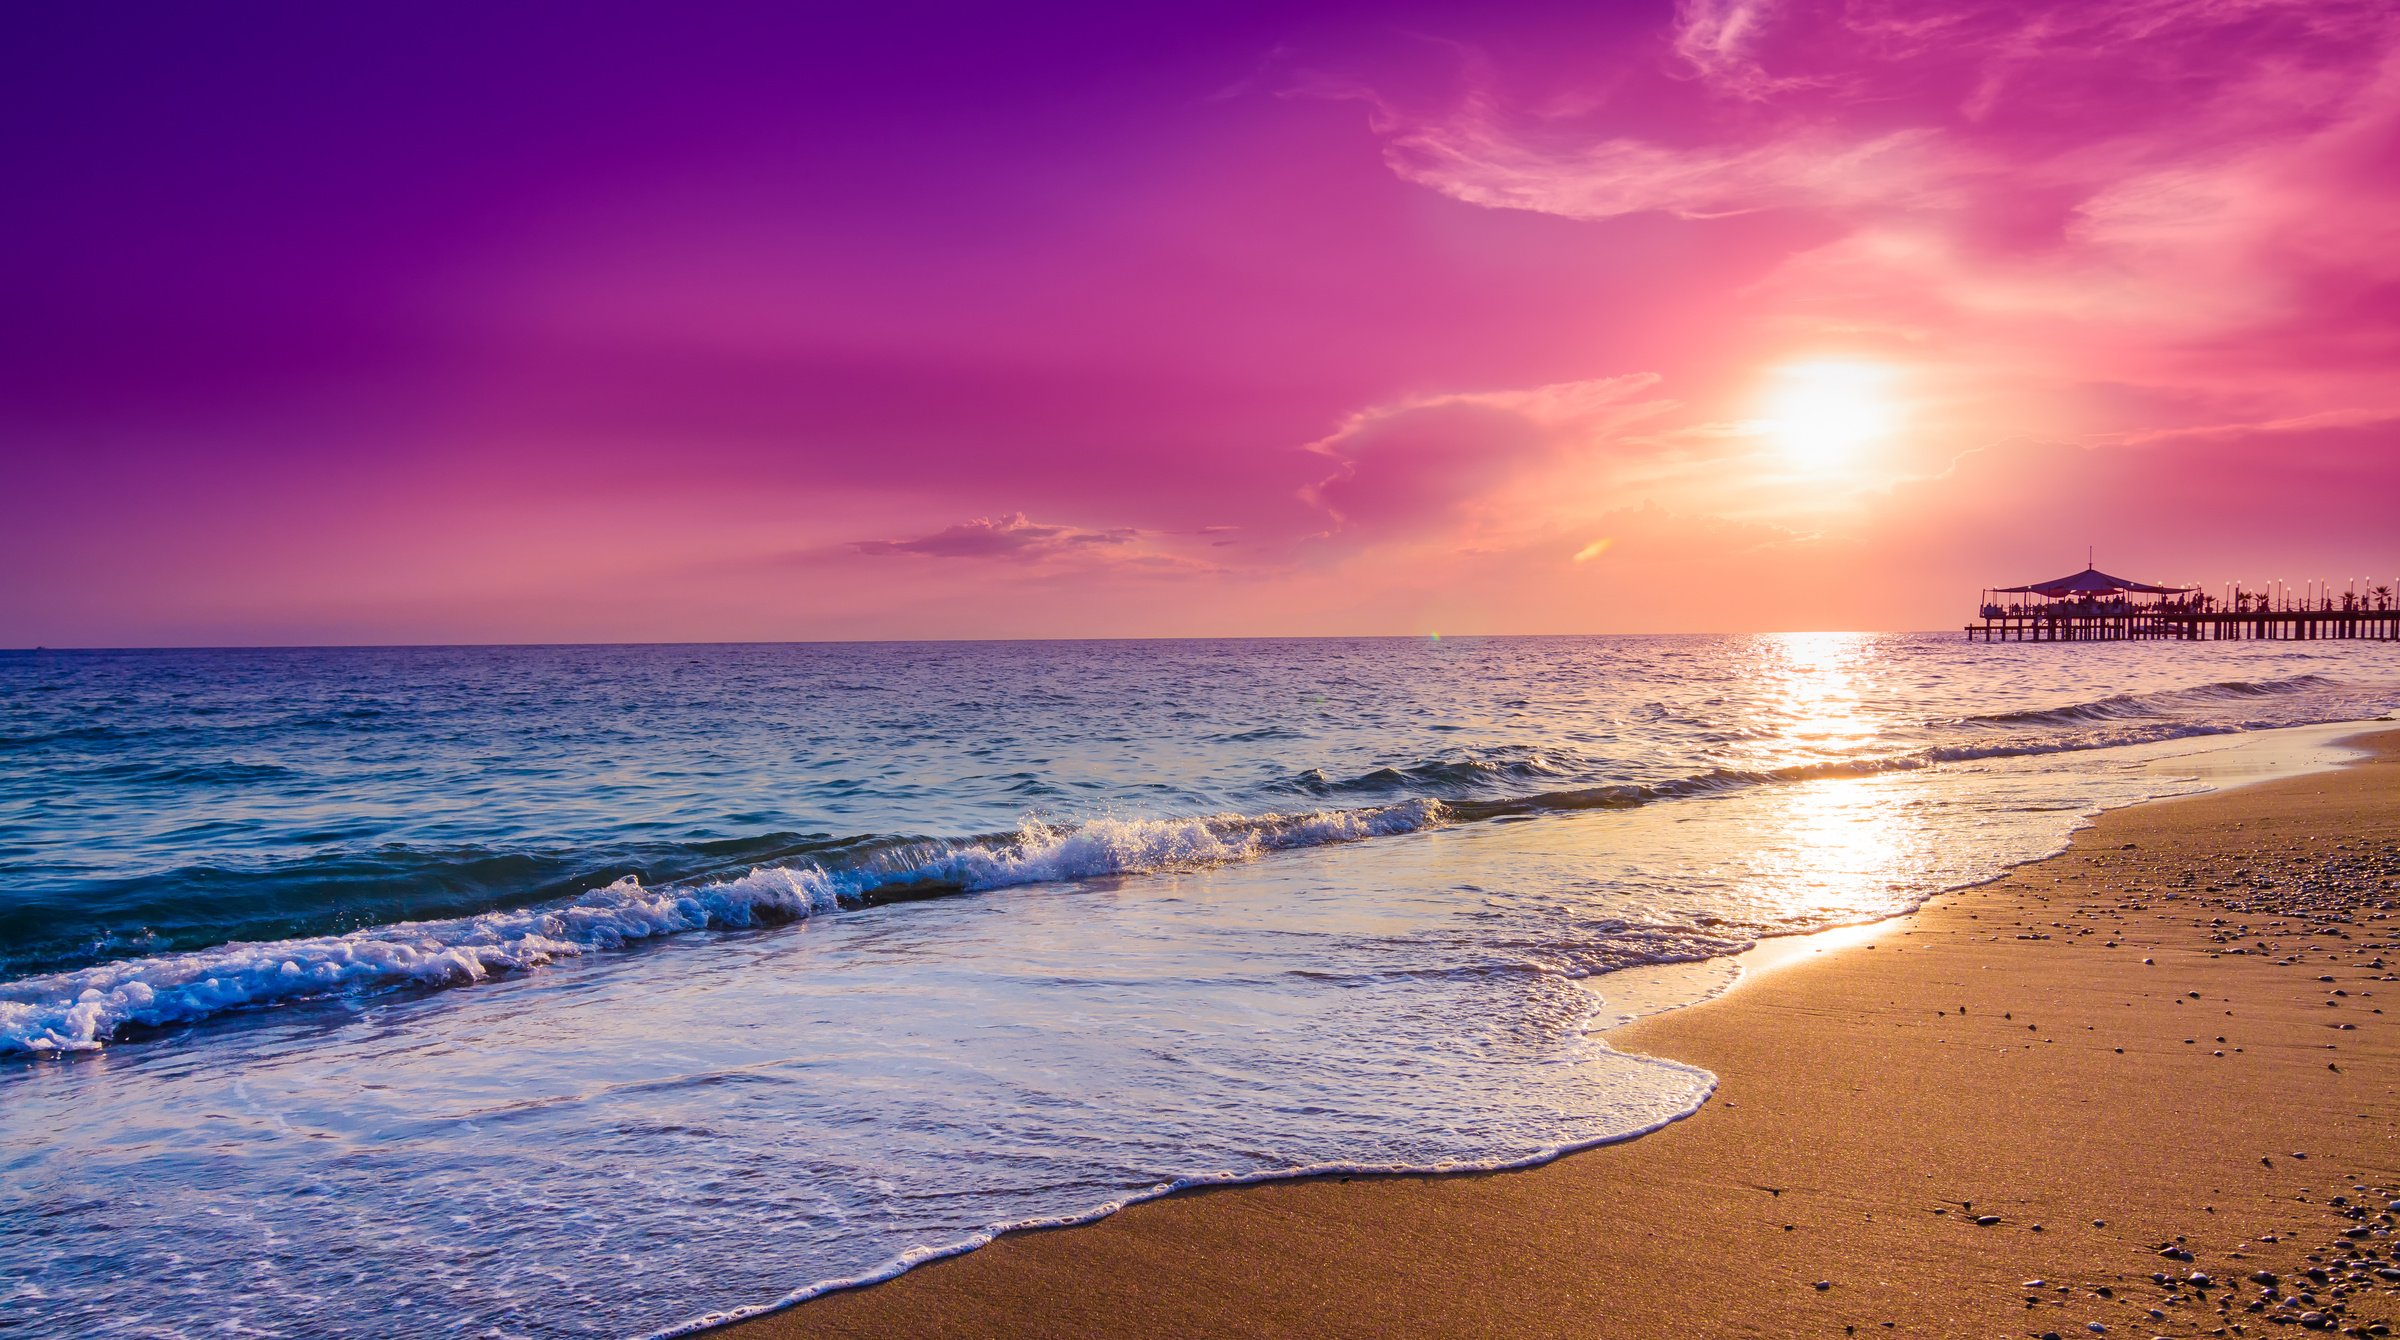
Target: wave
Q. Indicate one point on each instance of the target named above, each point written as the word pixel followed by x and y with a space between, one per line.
pixel 2120 706
pixel 1628 795
pixel 1436 776
pixel 84 1009
pixel 1262 734
pixel 794 876
pixel 53 927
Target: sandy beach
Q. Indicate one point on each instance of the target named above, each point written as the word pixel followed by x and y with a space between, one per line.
pixel 2148 1087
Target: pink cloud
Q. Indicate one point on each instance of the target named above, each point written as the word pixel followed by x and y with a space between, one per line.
pixel 1429 458
pixel 1010 537
pixel 1716 39
pixel 2162 174
pixel 1477 160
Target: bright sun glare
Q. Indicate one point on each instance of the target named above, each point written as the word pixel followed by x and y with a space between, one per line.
pixel 1821 413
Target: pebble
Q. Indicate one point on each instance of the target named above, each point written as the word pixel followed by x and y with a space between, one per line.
pixel 2306 893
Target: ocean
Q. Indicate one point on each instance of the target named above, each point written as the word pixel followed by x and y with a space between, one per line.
pixel 603 991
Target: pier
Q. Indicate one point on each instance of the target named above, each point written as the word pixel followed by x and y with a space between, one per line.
pixel 2092 606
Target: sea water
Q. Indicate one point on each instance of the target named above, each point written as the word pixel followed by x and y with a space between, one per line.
pixel 604 990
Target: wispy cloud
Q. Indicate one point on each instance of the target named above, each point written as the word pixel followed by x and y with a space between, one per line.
pixel 2298 423
pixel 1426 457
pixel 1718 41
pixel 1011 538
pixel 2143 181
pixel 1481 160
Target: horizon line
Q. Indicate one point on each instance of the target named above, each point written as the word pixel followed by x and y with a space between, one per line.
pixel 29 650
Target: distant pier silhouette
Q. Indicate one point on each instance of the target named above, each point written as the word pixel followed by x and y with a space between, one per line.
pixel 2092 606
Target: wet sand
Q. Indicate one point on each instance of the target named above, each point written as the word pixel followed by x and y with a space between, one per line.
pixel 2063 1099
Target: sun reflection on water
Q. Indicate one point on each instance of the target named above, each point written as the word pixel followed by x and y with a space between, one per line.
pixel 1838 844
pixel 1814 695
pixel 1847 844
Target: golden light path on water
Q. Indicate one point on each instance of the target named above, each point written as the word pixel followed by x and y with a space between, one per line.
pixel 1847 840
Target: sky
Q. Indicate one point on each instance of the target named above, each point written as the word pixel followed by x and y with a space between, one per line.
pixel 527 323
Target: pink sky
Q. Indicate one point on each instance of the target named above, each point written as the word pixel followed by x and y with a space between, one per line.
pixel 1288 321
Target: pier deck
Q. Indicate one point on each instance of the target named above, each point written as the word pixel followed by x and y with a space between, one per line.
pixel 2140 624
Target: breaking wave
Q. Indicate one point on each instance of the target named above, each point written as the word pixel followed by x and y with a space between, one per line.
pixel 84 1009
pixel 2121 706
pixel 1437 777
pixel 791 877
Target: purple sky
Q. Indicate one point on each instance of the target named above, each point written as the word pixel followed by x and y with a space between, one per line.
pixel 427 323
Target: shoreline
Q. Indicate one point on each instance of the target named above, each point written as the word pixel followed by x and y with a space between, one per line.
pixel 2285 753
pixel 1697 1229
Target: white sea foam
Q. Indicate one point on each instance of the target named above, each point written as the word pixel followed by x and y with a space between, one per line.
pixel 1040 852
pixel 82 1010
pixel 1700 1086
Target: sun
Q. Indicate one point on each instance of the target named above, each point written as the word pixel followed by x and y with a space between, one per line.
pixel 1823 412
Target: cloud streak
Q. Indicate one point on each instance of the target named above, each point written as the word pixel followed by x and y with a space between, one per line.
pixel 1011 538
pixel 2140 191
pixel 1424 459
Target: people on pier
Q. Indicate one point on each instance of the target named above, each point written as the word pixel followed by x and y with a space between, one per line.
pixel 2092 606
